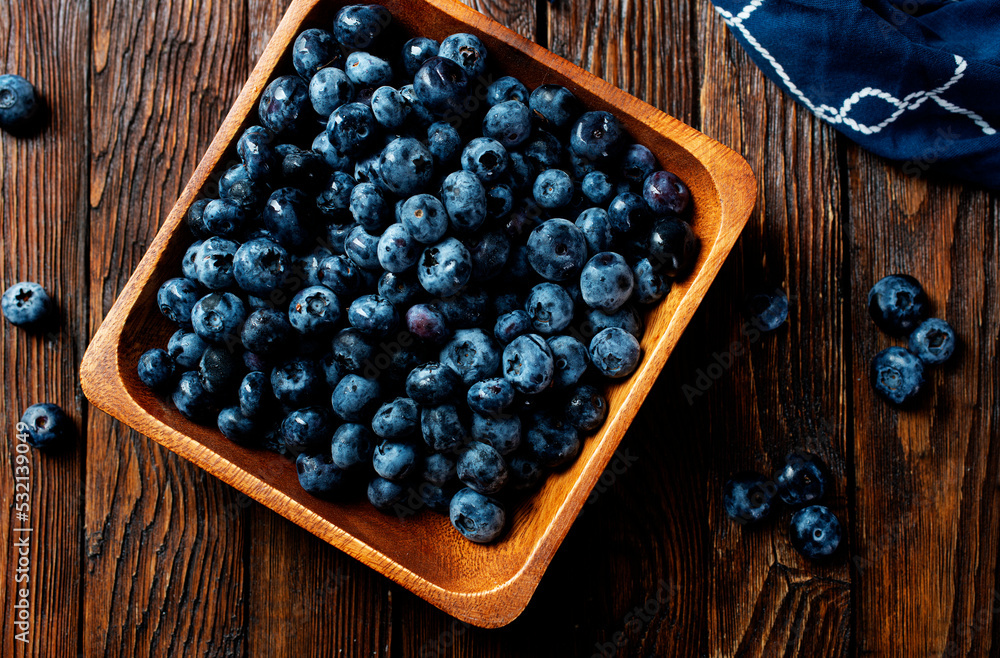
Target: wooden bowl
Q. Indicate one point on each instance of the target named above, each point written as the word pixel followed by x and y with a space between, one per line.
pixel 487 585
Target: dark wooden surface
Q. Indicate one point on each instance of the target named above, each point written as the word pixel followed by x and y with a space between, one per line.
pixel 136 552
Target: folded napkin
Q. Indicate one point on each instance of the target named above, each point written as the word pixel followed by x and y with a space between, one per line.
pixel 917 82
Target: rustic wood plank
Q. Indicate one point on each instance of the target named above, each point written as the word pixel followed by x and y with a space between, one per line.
pixel 784 391
pixel 927 498
pixel 164 542
pixel 518 15
pixel 43 220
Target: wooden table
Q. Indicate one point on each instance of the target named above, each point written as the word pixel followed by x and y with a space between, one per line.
pixel 136 552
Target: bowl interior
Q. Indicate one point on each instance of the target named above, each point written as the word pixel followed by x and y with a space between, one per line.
pixel 425 545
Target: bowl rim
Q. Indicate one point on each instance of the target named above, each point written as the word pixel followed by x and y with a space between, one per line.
pixel 103 383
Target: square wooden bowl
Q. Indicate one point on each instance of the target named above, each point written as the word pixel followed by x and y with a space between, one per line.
pixel 487 585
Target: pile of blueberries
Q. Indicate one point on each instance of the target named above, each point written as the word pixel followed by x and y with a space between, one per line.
pixel 815 531
pixel 419 277
pixel 899 306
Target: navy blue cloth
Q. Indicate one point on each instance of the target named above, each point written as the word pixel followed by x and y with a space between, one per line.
pixel 917 82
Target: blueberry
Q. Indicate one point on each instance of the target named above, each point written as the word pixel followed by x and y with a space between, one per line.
pixel 637 163
pixel 191 398
pixel 358 26
pixel 329 89
pixel 673 247
pixel 314 310
pixel 442 428
pixel 481 468
pixel 551 440
pixel 543 150
pixel 351 350
pixel 255 150
pixel 802 479
pixel 486 158
pixel 397 250
pixel 156 369
pixel 372 315
pixel 666 194
pixel 395 461
pixel 396 420
pixel 318 475
pixel 352 446
pixel 390 107
pixel 266 331
pixel 465 310
pixel 596 228
pixel 236 427
pixel 384 494
pixel 554 106
pixel 615 353
pixel 597 188
pixel 218 317
pixel 511 325
pixel 400 289
pixel 354 398
pixel 520 171
pixel 18 102
pixel 501 432
pixel 352 127
pixel 897 375
pixel 628 214
pixel 650 285
pixel 185 348
pixel 748 498
pixel 506 89
pixel 176 299
pixel 528 364
pixel 933 342
pixel 489 252
pixel 815 532
pixel 288 215
pixel 334 200
pixel 525 473
pixel 255 394
pixel 606 282
pixel 215 261
pixel 427 323
pixel 557 249
pixel 296 382
pixel 46 425
pixel 472 354
pixel 767 309
pixel 509 123
pixel 307 266
pixel 441 85
pixel 424 217
pixel 499 200
pixel 26 304
pixel 333 158
pixel 283 104
pixel 897 304
pixel 369 207
pixel 313 49
pixel 367 70
pixel 420 116
pixel 304 169
pixel 416 51
pixel 465 200
pixel 626 318
pixel 490 396
pixel 597 136
pixel 586 409
pixel 196 216
pixel 439 469
pixel 466 50
pixel 340 274
pixel 235 187
pixel 550 308
pixel 445 268
pixel 260 266
pixel 406 166
pixel 431 383
pixel 362 248
pixel 477 517
pixel 570 360
pixel 443 141
pixel 553 189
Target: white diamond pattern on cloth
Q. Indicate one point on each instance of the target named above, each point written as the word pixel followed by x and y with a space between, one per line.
pixel 840 115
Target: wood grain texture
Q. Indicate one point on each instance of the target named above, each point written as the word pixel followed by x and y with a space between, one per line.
pixel 927 479
pixel 43 224
pixel 782 391
pixel 164 548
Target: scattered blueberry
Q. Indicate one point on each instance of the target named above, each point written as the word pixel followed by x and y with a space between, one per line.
pixel 933 342
pixel 767 309
pixel 18 102
pixel 897 375
pixel 897 304
pixel 748 498
pixel 46 425
pixel 26 304
pixel 802 479
pixel 815 532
